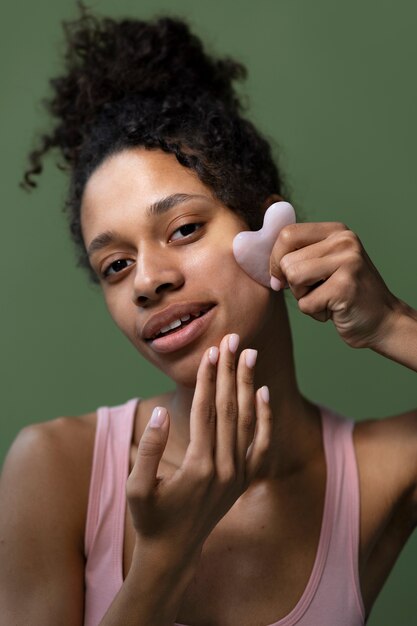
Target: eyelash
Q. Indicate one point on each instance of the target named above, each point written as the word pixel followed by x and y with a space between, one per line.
pixel 185 226
pixel 105 273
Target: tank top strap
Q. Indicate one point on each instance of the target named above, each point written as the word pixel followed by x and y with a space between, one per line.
pixel 104 529
pixel 345 527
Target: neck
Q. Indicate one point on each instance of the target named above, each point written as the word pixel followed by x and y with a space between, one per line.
pixel 296 433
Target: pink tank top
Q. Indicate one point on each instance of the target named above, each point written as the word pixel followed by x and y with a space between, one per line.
pixel 332 596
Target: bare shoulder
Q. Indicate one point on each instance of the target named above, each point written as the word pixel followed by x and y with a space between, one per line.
pixel 43 501
pixel 394 436
pixel 387 457
pixel 53 458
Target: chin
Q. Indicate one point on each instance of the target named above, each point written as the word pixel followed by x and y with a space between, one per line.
pixel 180 366
pixel 183 369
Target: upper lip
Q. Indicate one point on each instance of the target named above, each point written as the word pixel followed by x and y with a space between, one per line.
pixel 173 312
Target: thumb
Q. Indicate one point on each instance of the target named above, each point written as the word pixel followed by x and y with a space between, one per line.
pixel 278 278
pixel 151 447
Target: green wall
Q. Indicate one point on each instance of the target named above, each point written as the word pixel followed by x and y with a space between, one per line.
pixel 334 83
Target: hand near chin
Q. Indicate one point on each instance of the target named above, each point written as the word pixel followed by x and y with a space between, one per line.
pixel 230 438
pixel 332 277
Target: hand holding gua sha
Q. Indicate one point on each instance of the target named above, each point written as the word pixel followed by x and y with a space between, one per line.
pixel 253 249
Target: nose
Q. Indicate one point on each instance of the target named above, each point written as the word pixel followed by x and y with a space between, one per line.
pixel 156 272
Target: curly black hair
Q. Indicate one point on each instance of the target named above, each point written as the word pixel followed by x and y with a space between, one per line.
pixel 132 83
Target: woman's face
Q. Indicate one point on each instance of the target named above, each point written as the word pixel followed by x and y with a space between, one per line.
pixel 174 256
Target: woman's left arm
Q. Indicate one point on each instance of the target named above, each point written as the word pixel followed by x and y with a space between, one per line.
pixel 332 277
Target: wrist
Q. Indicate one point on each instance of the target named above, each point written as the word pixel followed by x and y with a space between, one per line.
pixel 169 566
pixel 397 338
pixel 154 586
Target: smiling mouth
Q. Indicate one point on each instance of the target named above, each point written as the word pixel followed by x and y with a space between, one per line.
pixel 181 326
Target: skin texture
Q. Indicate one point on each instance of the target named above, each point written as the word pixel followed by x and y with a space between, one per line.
pixel 255 542
pixel 331 258
pixel 162 273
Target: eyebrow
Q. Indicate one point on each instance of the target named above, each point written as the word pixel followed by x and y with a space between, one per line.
pixel 157 208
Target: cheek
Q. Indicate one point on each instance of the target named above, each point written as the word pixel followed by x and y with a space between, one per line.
pixel 218 269
pixel 221 275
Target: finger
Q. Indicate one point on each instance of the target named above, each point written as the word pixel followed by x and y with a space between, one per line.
pixel 246 406
pixel 203 410
pixel 304 276
pixel 143 478
pixel 296 236
pixel 226 407
pixel 332 297
pixel 261 446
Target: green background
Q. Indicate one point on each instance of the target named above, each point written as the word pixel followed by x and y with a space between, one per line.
pixel 334 84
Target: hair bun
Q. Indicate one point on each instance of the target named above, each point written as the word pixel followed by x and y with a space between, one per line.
pixel 107 60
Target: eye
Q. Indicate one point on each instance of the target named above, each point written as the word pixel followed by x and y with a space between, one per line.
pixel 117 266
pixel 189 229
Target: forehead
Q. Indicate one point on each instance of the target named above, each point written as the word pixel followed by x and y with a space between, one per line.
pixel 136 178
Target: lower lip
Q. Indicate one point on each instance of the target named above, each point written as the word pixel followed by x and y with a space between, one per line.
pixel 184 336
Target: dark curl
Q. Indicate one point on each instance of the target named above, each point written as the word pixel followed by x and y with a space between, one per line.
pixel 132 83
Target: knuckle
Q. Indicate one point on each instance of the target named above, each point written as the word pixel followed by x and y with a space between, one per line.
pixel 268 419
pixel 286 234
pixel 226 475
pixel 293 274
pixel 264 449
pixel 348 239
pixel 229 411
pixel 284 263
pixel 356 261
pixel 149 447
pixel 229 364
pixel 288 264
pixel 204 470
pixel 246 422
pixel 305 306
pixel 246 376
pixel 207 413
pixel 344 282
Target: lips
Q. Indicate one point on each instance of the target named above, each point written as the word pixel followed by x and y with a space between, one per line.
pixel 171 313
pixel 185 335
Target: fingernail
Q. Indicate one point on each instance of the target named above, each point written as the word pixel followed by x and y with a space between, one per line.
pixel 250 357
pixel 275 284
pixel 265 393
pixel 213 355
pixel 233 342
pixel 158 416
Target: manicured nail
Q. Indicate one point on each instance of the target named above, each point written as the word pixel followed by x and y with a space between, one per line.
pixel 250 357
pixel 275 284
pixel 213 355
pixel 233 342
pixel 158 416
pixel 265 394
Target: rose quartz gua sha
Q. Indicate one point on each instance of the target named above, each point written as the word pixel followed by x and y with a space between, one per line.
pixel 252 249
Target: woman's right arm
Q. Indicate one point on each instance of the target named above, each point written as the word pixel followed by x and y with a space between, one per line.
pixel 41 555
pixel 42 568
pixel 398 341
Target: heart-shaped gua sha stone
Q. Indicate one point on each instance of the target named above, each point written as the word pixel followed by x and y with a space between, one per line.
pixel 252 249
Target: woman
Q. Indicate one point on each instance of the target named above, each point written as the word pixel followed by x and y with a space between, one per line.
pixel 242 497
